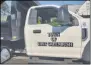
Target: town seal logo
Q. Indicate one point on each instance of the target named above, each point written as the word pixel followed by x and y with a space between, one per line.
pixel 53 39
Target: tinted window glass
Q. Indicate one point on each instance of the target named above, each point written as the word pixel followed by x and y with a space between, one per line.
pixel 43 16
pixel 52 16
pixel 5 10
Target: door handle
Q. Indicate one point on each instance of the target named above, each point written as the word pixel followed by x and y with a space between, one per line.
pixel 36 31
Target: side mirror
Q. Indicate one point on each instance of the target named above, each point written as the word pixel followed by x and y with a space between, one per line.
pixel 64 15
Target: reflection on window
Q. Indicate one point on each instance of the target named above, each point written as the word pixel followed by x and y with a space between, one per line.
pixel 5 10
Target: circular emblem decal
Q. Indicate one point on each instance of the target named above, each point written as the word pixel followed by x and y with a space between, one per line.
pixel 53 39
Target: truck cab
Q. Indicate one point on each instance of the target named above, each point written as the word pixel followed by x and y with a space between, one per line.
pixel 54 31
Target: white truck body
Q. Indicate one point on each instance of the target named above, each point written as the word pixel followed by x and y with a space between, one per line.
pixel 59 41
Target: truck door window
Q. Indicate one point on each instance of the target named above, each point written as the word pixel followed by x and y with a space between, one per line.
pixel 42 15
pixel 51 16
pixel 45 15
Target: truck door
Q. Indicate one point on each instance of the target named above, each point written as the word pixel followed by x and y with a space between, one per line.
pixel 46 36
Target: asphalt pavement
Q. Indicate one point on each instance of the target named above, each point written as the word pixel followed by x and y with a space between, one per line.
pixel 18 59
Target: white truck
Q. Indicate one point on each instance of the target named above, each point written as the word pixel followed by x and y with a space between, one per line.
pixel 54 31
